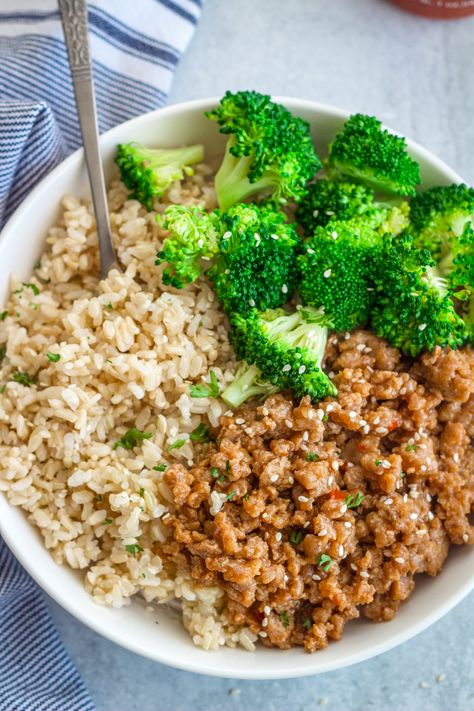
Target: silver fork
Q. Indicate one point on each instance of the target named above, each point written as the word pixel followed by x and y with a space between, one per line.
pixel 75 27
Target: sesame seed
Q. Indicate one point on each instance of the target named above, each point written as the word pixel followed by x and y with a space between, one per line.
pixel 456 457
pixel 286 368
pixel 286 578
pixel 305 525
pixel 360 346
pixel 235 692
pixel 381 430
pixel 265 514
pixel 465 538
pixel 385 464
pixel 310 251
pixel 315 213
pixel 288 423
pixel 388 502
pixel 422 326
pixel 413 516
pixel 278 536
pixel 430 515
pixel 291 480
pixel 322 532
pixel 251 302
pixel 303 499
pixel 305 436
pixel 284 289
pixel 335 465
pixel 440 678
pixel 365 429
pixel 334 234
pixel 424 685
pixel 327 274
pixel 341 551
pixel 364 574
pixel 239 421
pixel 330 480
pixel 330 407
pixel 320 413
pixel 267 609
pixel 323 701
pixel 265 411
pixel 301 369
pixel 274 236
pixel 265 622
pixel 376 420
pixel 343 509
pixel 274 477
pixel 423 467
pixel 405 498
pixel 200 243
pixel 400 560
pixel 227 235
pixel 227 271
pixel 316 577
pixel 421 532
pixel 352 414
pixel 347 524
pixel 262 634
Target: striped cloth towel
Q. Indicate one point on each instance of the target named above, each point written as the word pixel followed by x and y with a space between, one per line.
pixel 136 47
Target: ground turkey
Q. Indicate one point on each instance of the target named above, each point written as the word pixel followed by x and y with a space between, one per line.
pixel 308 515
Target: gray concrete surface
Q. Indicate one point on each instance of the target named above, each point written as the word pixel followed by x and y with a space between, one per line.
pixel 416 75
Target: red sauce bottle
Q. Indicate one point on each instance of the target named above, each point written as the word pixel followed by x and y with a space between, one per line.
pixel 438 9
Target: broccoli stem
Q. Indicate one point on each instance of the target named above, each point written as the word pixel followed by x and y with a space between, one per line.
pixel 231 181
pixel 162 157
pixel 246 384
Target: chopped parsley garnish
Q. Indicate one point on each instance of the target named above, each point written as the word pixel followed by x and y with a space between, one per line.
pixel 325 418
pixel 210 389
pixel 228 469
pixel 214 472
pixel 37 264
pixel 378 462
pixel 177 445
pixel 109 307
pixel 307 624
pixel 296 537
pixel 28 285
pixel 402 474
pixel 324 562
pixel 284 619
pixel 312 457
pixel 132 438
pixel 229 496
pixel 160 467
pixel 246 497
pixel 134 548
pixel 24 378
pixel 200 434
pixel 410 448
pixel 2 389
pixel 141 491
pixel 107 521
pixel 352 501
pixel 53 357
pixel 3 315
pixel 3 352
pixel 98 497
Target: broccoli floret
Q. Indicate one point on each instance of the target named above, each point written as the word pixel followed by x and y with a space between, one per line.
pixel 366 153
pixel 256 262
pixel 439 214
pixel 248 382
pixel 268 150
pixel 396 220
pixel 148 172
pixel 287 350
pixel 457 267
pixel 413 310
pixel 327 200
pixel 193 237
pixel 337 272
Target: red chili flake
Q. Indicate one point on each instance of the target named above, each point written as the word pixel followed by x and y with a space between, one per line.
pixel 259 616
pixel 392 426
pixel 361 447
pixel 337 494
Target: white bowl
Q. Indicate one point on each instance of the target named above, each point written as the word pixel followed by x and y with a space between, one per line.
pixel 133 627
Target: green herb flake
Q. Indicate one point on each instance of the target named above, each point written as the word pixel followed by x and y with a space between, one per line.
pixel 307 624
pixel 143 575
pixel 107 521
pixel 132 438
pixel 109 307
pixel 352 501
pixel 410 448
pixel 230 496
pixel 141 491
pixel 324 562
pixel 246 497
pixel 378 462
pixel 160 467
pixel 325 418
pixel 2 389
pixel 228 468
pixel 29 285
pixel 98 497
pixel 3 315
pixel 311 457
pixel 134 548
pixel 200 434
pixel 284 619
pixel 177 445
pixel 53 357
pixel 221 477
pixel 296 537
pixel 37 264
pixel 214 472
pixel 210 389
pixel 24 378
pixel 3 352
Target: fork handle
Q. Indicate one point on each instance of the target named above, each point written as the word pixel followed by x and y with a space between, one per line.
pixel 75 26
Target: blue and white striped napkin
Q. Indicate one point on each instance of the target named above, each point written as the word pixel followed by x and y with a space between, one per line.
pixel 135 47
